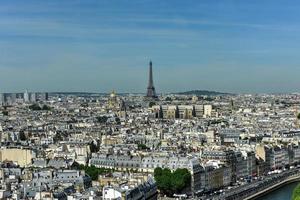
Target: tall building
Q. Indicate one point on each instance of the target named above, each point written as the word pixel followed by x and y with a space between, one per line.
pixel 42 96
pixel 13 98
pixel 4 98
pixel 1 99
pixel 46 96
pixel 33 97
pixel 151 89
pixel 26 97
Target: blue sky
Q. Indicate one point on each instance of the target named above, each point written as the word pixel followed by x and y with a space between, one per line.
pixel 101 45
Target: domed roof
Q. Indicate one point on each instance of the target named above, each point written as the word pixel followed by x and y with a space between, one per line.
pixel 113 94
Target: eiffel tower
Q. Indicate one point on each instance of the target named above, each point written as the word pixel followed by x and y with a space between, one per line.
pixel 151 89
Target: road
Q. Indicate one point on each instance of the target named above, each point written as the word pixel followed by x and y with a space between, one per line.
pixel 250 190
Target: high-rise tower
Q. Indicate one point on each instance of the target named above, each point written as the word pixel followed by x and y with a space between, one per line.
pixel 151 89
pixel 26 97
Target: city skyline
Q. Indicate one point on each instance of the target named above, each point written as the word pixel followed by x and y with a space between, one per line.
pixel 98 46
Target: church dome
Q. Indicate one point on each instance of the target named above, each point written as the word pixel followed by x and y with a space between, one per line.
pixel 113 94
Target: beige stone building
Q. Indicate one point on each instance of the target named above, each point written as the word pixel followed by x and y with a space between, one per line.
pixel 185 111
pixel 22 157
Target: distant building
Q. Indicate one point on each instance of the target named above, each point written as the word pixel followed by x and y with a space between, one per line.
pixel 13 98
pixel 199 111
pixel 195 99
pixel 230 136
pixel 274 157
pixel 112 100
pixel 214 176
pixel 183 111
pixel 46 96
pixel 208 110
pixel 42 96
pixel 1 99
pixel 33 97
pixel 26 97
pixel 22 157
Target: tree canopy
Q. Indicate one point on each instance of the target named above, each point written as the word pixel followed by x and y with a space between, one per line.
pixel 296 193
pixel 142 147
pixel 169 182
pixel 93 171
pixel 94 146
pixel 102 119
pixel 5 112
pixel 151 104
pixel 168 99
pixel 118 120
pixel 22 136
pixel 38 107
pixel 45 107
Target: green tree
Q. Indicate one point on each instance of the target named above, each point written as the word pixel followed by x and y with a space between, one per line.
pixel 82 167
pixel 93 171
pixel 142 147
pixel 22 136
pixel 5 112
pixel 158 172
pixel 38 107
pixel 35 107
pixel 118 120
pixel 76 166
pixel 169 183
pixel 181 179
pixel 45 107
pixel 209 98
pixel 102 119
pixel 168 99
pixel 94 147
pixel 58 137
pixel 296 193
pixel 152 104
pixel 85 105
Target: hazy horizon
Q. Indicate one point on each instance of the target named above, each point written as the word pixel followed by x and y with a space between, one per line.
pixel 100 46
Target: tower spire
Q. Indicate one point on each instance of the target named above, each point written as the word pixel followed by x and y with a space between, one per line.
pixel 150 82
pixel 151 89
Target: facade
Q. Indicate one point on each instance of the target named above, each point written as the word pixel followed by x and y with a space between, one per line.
pixel 137 163
pixel 199 111
pixel 294 154
pixel 281 157
pixel 208 110
pixel 275 157
pixel 22 157
pixel 242 163
pixel 215 176
pixel 251 162
pixel 196 170
pixel 230 136
pixel 183 111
